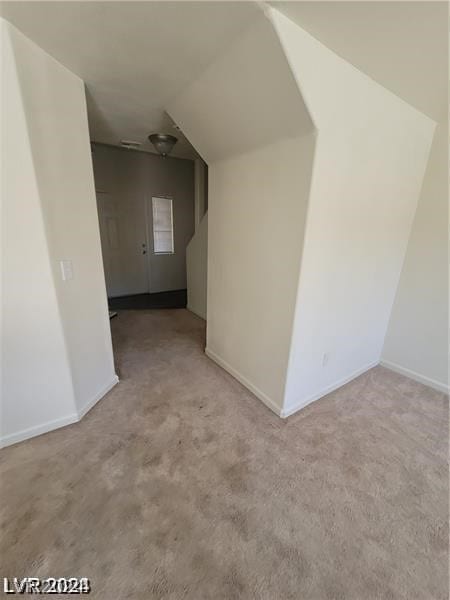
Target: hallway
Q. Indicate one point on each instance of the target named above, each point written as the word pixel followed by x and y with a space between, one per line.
pixel 181 484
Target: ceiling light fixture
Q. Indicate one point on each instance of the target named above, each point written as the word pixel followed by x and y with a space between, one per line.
pixel 163 142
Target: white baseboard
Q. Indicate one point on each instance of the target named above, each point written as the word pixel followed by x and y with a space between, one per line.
pixel 190 309
pixel 245 382
pixel 327 390
pixel 437 385
pixel 87 407
pixel 30 432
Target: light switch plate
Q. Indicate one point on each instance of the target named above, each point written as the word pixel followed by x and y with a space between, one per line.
pixel 66 269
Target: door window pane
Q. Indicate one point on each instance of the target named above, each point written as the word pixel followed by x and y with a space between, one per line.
pixel 162 226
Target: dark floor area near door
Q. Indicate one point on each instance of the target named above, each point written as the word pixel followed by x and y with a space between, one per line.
pixel 173 299
pixel 181 485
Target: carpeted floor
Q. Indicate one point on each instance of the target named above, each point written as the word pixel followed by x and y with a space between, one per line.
pixel 181 484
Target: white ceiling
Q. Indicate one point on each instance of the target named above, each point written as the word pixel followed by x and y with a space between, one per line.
pixel 402 45
pixel 135 57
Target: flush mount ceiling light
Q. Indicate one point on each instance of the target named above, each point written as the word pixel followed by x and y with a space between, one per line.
pixel 163 142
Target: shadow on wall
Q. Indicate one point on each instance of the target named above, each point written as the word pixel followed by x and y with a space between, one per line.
pixel 197 249
pixel 197 269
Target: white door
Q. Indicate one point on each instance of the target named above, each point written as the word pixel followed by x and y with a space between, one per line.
pixel 124 245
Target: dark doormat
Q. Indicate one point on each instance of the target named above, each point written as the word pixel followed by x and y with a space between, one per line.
pixel 174 299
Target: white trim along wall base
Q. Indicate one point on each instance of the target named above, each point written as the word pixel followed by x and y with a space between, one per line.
pixel 87 407
pixel 25 434
pixel 245 382
pixel 31 432
pixel 437 385
pixel 290 410
pixel 195 312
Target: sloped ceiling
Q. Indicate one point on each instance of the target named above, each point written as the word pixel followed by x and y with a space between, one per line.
pixel 133 56
pixel 246 99
pixel 401 45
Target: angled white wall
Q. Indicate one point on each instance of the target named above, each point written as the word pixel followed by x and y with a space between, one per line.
pixel 246 118
pixel 302 269
pixel 257 210
pixel 417 339
pixel 371 154
pixel 57 348
pixel 37 392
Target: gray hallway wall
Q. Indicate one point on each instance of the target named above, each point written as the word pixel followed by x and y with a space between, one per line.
pixel 133 177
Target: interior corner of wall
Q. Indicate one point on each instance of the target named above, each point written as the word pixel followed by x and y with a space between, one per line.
pixel 265 8
pixel 274 17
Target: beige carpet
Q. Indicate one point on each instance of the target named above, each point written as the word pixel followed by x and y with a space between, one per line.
pixel 180 484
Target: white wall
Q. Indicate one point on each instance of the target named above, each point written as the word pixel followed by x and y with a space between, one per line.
pixel 37 392
pixel 417 338
pixel 371 153
pixel 370 157
pixel 257 211
pixel 296 311
pixel 196 269
pixel 259 160
pixel 56 331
